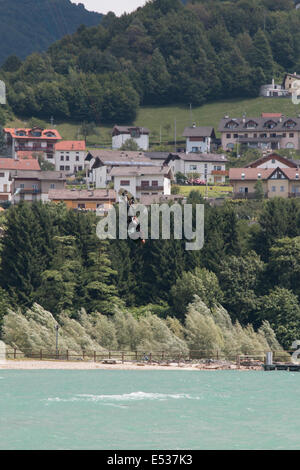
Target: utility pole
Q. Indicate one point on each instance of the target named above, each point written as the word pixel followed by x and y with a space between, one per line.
pixel 56 328
pixel 175 135
pixel 191 117
pixel 160 134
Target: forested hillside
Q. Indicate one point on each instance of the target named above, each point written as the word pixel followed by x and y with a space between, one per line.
pixel 165 52
pixel 28 26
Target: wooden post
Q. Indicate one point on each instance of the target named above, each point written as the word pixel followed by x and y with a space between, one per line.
pixel 136 355
pixel 109 355
pixel 95 356
pixel 238 362
pixel 83 355
pixel 15 353
pixel 163 356
pixel 67 354
pixel 41 354
pixel 122 357
pixel 150 358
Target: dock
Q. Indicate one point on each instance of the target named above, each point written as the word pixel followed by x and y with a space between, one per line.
pixel 287 367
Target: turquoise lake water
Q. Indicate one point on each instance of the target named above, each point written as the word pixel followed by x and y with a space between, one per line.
pixel 127 410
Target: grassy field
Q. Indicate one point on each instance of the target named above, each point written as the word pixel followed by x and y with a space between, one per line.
pixel 212 191
pixel 162 118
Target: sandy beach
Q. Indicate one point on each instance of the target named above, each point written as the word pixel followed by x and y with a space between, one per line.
pixel 84 365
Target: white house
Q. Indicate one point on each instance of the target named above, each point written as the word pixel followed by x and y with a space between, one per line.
pixel 199 139
pixel 121 134
pixel 210 167
pixel 69 156
pixel 273 90
pixel 143 180
pixel 101 162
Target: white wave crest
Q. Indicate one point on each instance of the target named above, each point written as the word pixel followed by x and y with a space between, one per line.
pixel 126 397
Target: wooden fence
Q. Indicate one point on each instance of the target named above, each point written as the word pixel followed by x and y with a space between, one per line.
pixel 141 356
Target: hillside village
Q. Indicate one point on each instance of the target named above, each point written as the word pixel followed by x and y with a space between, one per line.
pixel 37 164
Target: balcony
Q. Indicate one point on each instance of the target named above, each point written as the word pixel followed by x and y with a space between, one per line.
pixel 30 191
pixel 149 188
pixel 35 148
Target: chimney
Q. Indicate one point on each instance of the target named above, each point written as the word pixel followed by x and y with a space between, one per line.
pixel 194 124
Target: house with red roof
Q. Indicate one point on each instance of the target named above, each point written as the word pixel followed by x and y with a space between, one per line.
pixel 69 156
pixel 278 181
pixel 9 166
pixel 34 139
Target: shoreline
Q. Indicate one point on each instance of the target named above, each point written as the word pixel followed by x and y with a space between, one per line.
pixel 69 365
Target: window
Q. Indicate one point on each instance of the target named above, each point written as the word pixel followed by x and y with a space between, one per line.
pixel 273 189
pixel 291 134
pixel 2 175
pixel 155 183
pixel 67 158
pixel 195 149
pixel 35 186
pixel 67 168
pixel 281 189
pixel 77 158
pixel 270 124
pixel 125 183
pixel 228 136
pixel 52 186
pixel 251 124
pixel 22 186
pixel 145 184
pixel 231 125
pixel 62 158
pixel 235 136
pixel 273 160
pixel 81 206
pixel 80 168
pixel 135 133
pixel 193 167
pixel 62 168
pixel 289 124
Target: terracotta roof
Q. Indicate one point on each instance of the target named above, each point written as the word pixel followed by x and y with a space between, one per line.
pixel 198 132
pixel 25 154
pixel 252 173
pixel 84 194
pixel 70 145
pixel 12 131
pixel 270 115
pixel 11 164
